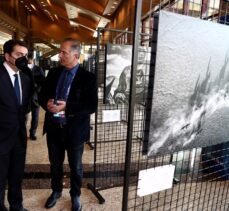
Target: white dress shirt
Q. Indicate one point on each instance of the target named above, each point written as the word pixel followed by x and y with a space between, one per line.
pixel 11 73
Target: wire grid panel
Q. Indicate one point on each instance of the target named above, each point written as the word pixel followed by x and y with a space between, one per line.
pixel 201 175
pixel 111 136
pixel 111 143
pixel 198 185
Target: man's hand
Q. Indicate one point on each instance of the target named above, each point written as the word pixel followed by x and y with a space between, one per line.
pixel 55 108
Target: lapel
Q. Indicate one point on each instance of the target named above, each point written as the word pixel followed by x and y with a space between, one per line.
pixel 7 84
pixel 77 79
pixel 75 89
pixel 23 87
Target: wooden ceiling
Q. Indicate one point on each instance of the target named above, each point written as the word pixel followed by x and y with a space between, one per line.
pixel 52 20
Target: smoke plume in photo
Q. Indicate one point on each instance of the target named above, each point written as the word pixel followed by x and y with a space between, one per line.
pixel 190 106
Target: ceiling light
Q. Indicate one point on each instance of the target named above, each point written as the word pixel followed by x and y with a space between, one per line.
pixel 95 34
pixel 111 6
pixel 49 2
pixel 102 23
pixel 33 6
pixel 72 23
pixel 56 16
pixel 71 11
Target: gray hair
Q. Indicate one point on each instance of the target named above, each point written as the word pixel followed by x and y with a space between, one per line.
pixel 75 45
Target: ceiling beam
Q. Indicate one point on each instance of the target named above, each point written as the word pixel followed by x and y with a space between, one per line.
pixel 12 22
pixel 88 5
pixel 89 12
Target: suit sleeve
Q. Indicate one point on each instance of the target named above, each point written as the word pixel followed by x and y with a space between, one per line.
pixel 45 93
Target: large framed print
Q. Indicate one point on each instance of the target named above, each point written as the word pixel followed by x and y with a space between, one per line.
pixel 118 73
pixel 190 103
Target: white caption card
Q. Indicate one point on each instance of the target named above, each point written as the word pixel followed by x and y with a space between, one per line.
pixel 111 115
pixel 155 179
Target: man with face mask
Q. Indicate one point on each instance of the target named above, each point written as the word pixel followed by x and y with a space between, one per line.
pixel 15 93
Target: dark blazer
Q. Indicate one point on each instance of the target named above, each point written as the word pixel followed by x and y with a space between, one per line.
pixel 38 78
pixel 12 115
pixel 82 101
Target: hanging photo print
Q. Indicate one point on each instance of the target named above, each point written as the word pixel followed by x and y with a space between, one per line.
pixel 118 73
pixel 190 105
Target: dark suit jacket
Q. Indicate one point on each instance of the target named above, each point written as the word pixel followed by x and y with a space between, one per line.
pixel 38 77
pixel 82 101
pixel 12 115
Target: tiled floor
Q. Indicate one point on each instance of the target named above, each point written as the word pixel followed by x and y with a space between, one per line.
pixel 34 200
pixel 36 185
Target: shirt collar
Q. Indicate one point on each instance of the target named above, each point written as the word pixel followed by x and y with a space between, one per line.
pixel 10 70
pixel 73 70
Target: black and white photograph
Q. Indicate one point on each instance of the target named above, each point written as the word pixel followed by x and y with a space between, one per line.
pixel 118 73
pixel 190 102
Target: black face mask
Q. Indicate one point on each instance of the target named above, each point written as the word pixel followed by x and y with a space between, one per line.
pixel 21 63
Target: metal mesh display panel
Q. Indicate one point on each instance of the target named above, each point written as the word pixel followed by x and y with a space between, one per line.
pixel 110 137
pixel 201 175
pixel 198 185
pixel 110 144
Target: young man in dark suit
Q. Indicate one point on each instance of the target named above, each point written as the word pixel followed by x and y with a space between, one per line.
pixel 38 78
pixel 15 93
pixel 69 96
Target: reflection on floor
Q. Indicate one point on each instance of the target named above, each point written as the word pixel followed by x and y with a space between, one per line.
pixel 37 180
